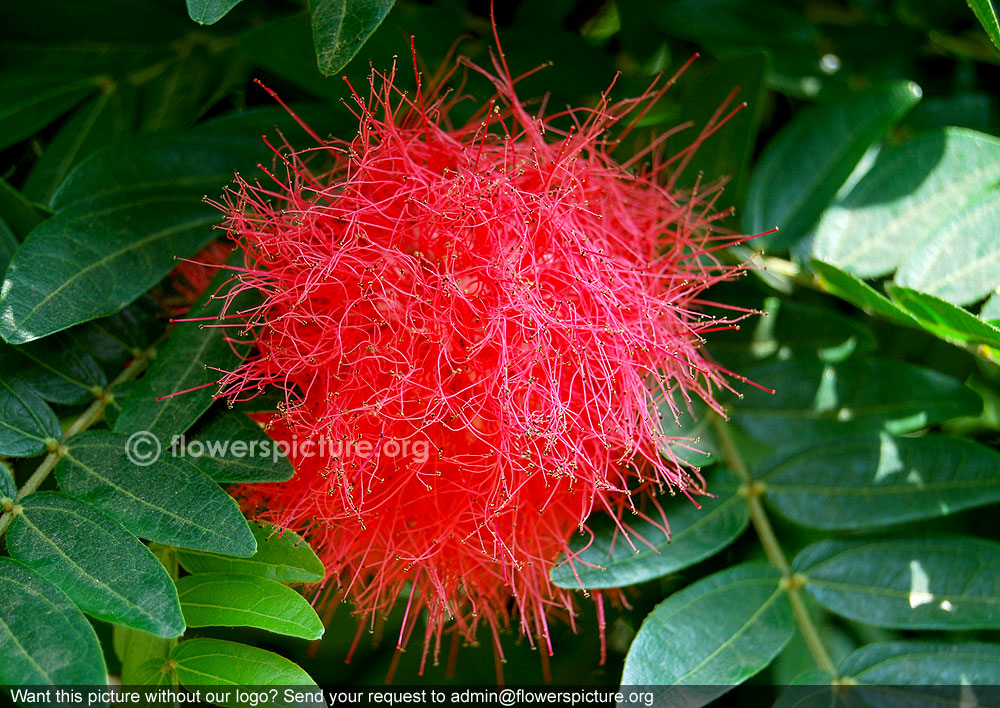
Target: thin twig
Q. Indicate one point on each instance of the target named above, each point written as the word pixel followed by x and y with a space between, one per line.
pixel 791 583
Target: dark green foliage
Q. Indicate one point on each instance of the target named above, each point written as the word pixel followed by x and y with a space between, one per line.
pixel 849 534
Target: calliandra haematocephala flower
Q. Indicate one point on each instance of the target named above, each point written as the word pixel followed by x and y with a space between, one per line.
pixel 475 328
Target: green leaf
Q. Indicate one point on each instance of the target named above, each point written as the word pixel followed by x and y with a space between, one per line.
pixel 695 534
pixel 152 672
pixel 103 568
pixel 135 649
pixel 55 369
pixel 236 449
pixel 160 498
pixel 823 691
pixel 765 22
pixel 788 327
pixel 961 263
pixel 107 117
pixel 226 600
pixel 254 122
pixel 847 287
pixel 32 101
pixel 813 689
pixel 193 81
pixel 903 201
pixel 8 488
pixel 986 13
pixel 182 366
pixel 208 12
pixel 944 319
pixel 972 109
pixel 116 339
pixel 27 424
pixel 8 245
pixel 91 260
pixel 878 480
pixel 281 556
pixel 340 28
pixel 915 583
pixel 20 214
pixel 43 638
pixel 726 153
pixel 715 634
pixel 813 677
pixel 924 663
pixel 193 163
pixel 807 162
pixel 213 662
pixel 814 400
pixel 691 430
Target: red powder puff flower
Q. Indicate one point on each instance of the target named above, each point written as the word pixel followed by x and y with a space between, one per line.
pixel 474 328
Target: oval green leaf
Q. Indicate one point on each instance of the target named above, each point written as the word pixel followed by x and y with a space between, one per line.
pixel 116 339
pixel 924 663
pixel 715 634
pixel 237 450
pixel 43 637
pixel 767 23
pixel 191 83
pixel 27 423
pixel 135 648
pixel 93 259
pixel 8 244
pixel 609 561
pixel 213 662
pixel 164 499
pixel 8 488
pixel 961 263
pixel 814 400
pixel 340 28
pixel 902 202
pixel 32 101
pixel 860 294
pixel 56 369
pixel 807 162
pixel 944 319
pixel 18 212
pixel 281 556
pixel 182 366
pixel 152 672
pixel 103 568
pixel 107 117
pixel 193 163
pixel 916 583
pixel 986 13
pixel 878 480
pixel 227 600
pixel 208 12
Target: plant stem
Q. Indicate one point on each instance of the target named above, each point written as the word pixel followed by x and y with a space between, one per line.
pixel 791 583
pixel 93 413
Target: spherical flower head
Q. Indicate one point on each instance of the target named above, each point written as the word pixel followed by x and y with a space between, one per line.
pixel 476 329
